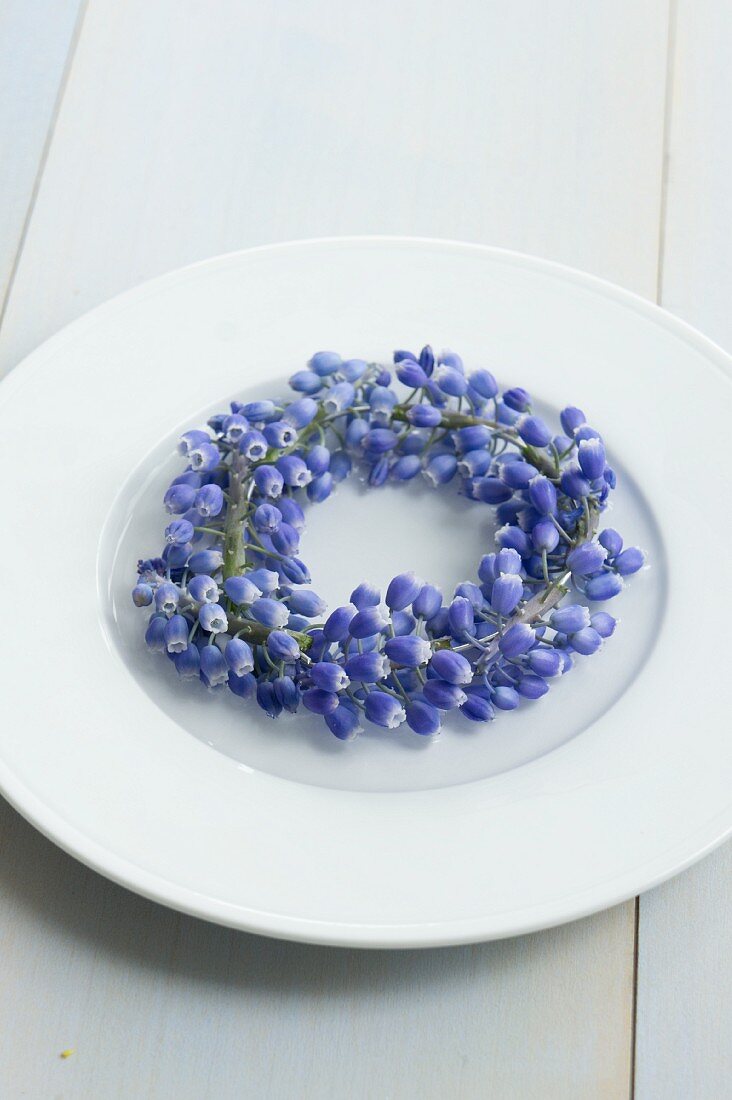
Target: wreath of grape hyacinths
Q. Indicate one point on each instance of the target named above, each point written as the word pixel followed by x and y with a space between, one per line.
pixel 228 596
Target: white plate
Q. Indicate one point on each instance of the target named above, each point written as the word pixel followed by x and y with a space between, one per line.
pixel 618 779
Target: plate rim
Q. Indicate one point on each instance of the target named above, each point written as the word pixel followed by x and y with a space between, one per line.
pixel 126 873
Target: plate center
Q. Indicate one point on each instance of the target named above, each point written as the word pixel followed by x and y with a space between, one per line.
pixel 362 533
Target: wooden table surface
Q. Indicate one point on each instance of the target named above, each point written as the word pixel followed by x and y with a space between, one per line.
pixel 139 135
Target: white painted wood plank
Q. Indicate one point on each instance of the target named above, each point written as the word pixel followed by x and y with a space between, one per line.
pixel 188 130
pixel 685 931
pixel 158 1005
pixel 35 38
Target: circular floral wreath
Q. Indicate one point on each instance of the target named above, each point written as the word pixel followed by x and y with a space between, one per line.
pixel 228 593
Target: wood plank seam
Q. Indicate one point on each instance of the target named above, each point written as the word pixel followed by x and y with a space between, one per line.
pixel 44 155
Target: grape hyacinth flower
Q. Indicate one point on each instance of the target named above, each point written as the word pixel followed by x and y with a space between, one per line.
pixel 229 598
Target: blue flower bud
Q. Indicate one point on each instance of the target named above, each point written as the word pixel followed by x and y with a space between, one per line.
pixel 534 431
pixel 423 718
pixel 325 362
pixel 188 662
pixel 287 693
pixel 513 538
pixel 460 616
pixel 484 384
pixel 612 541
pixel 470 592
pixel 318 701
pixel 253 445
pixel 545 662
pixel 378 441
pixel 212 617
pixel 242 686
pixel 586 558
pixel 240 590
pixel 338 622
pixel 192 439
pixel 321 487
pixel 450 380
pixel 167 597
pixel 586 641
pixel 179 498
pixel 365 595
pixel 317 459
pixel 205 561
pixel 571 418
pixel 285 540
pixel 340 465
pixel 269 612
pixel 451 666
pixel 343 722
pixel 567 620
pixel 257 411
pixel 402 589
pixel 379 472
pixel 155 633
pixel 238 656
pixel 367 622
pixel 209 500
pixel 443 695
pixel 629 561
pixel 400 355
pixel 475 463
pixel 306 381
pixel 353 369
pixel 532 687
pixel 409 651
pixel 517 399
pixel 491 490
pixel 381 403
pixel 574 484
pixel 585 432
pixel 383 710
pixel 591 457
pixel 427 602
pixel 142 595
pixel 505 698
pixel 295 571
pixel 477 708
pixel 424 416
pixel 427 359
pixel 266 519
pixel 506 593
pixel 440 469
pixel 543 495
pixel 487 569
pixel 280 434
pixel 282 646
pixel 205 457
pixel 234 428
pixel 603 587
pixel 411 374
pixel 203 589
pixel 438 623
pixel 329 676
pixel 508 560
pixel 474 437
pixel 517 474
pixel 179 532
pixel 339 397
pixel 603 623
pixel 545 536
pixel 355 431
pixel 518 639
pixel 269 481
pixel 367 668
pixel 294 471
pixel 266 581
pixel 176 634
pixel 213 670
pixel 307 603
pixel 267 699
pixel 406 467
